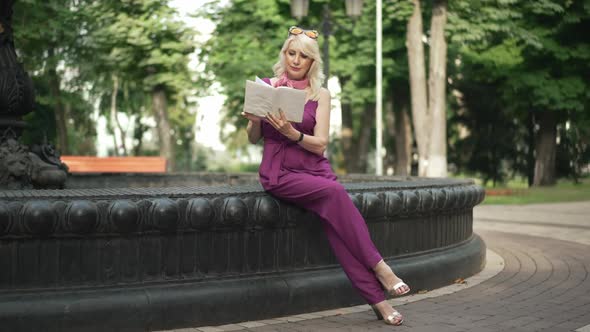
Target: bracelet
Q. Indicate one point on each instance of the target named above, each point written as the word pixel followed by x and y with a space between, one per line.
pixel 300 137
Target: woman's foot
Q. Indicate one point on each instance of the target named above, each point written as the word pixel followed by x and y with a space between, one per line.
pixel 385 311
pixel 394 285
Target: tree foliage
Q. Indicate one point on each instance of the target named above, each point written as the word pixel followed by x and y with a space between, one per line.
pixel 509 63
pixel 52 56
pixel 532 59
pixel 113 54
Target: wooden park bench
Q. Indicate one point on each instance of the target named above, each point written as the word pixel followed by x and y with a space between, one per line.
pixel 85 164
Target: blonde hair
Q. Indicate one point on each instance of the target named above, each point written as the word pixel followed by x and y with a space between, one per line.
pixel 311 49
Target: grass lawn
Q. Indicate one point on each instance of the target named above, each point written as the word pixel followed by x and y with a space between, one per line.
pixel 517 192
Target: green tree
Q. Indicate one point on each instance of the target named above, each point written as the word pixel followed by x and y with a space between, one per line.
pixel 553 81
pixel 131 56
pixel 51 55
pixel 530 58
pixel 245 43
pixel 484 40
pixel 141 45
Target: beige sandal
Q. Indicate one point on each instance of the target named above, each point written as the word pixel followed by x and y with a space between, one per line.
pixel 393 290
pixel 390 319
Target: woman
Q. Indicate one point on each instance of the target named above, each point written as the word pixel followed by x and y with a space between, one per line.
pixel 294 169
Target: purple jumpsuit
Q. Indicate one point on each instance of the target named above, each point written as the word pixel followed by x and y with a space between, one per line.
pixel 293 174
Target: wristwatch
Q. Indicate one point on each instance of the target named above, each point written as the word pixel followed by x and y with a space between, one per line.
pixel 300 138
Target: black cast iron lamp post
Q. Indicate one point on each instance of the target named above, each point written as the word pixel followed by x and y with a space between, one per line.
pixel 299 9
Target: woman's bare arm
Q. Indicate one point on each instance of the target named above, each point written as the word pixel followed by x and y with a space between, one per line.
pixel 254 128
pixel 319 141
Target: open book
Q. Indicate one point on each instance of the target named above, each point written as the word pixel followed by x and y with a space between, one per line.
pixel 262 98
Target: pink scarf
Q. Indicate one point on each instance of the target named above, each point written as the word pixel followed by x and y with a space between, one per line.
pixel 284 81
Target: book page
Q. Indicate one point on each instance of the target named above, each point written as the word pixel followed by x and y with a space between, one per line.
pixel 259 80
pixel 291 101
pixel 258 98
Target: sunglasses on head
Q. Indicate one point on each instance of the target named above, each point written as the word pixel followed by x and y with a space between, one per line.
pixel 309 33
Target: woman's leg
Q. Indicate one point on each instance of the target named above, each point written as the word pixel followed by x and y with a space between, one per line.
pixel 328 199
pixel 345 228
pixel 363 279
pixel 388 279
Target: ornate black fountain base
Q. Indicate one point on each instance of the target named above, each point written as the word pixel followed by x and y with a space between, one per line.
pixel 21 167
pixel 150 259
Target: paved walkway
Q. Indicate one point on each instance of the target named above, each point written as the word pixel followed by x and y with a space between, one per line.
pixel 538 281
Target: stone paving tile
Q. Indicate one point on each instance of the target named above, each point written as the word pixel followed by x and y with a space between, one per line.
pixel 251 324
pixel 209 329
pixel 268 328
pixel 569 325
pixel 538 324
pixel 271 321
pixel 307 316
pixel 231 327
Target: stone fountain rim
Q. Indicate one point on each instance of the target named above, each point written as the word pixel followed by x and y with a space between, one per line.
pixel 178 191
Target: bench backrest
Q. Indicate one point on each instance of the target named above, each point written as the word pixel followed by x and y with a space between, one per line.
pixel 85 164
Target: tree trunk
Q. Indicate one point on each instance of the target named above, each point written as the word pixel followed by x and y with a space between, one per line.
pixel 113 115
pixel 437 82
pixel 545 148
pixel 364 138
pixel 530 157
pixel 346 138
pixel 403 138
pixel 61 127
pixel 161 115
pixel 115 124
pixel 138 132
pixel 390 139
pixel 418 85
pixel 399 132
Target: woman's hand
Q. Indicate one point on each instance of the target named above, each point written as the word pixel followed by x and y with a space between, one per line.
pixel 255 119
pixel 281 124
